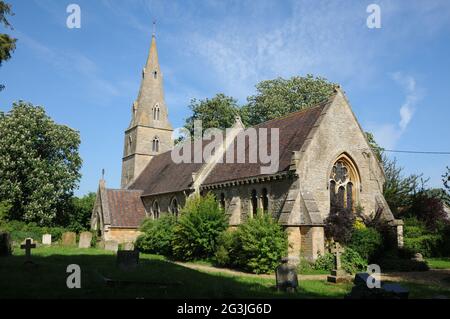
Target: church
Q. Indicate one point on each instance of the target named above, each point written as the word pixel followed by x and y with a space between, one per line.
pixel 324 160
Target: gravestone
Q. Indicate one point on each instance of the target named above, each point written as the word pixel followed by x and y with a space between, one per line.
pixel 128 246
pixel 337 274
pixel 286 276
pixel 85 240
pixel 28 245
pixel 111 245
pixel 5 244
pixel 127 259
pixel 47 239
pixel 418 257
pixel 69 239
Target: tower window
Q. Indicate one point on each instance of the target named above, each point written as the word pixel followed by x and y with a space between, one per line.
pixel 155 74
pixel 156 112
pixel 155 145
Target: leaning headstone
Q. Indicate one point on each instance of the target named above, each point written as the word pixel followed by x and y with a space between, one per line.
pixel 128 246
pixel 5 244
pixel 69 239
pixel 111 245
pixel 85 240
pixel 47 239
pixel 127 259
pixel 286 276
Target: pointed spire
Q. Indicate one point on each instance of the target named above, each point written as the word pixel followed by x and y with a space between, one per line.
pixel 150 108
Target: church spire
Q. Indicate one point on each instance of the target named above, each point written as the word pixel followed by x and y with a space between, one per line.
pixel 150 107
pixel 150 132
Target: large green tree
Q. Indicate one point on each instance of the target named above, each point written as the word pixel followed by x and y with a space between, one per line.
pixel 217 112
pixel 78 216
pixel 278 97
pixel 7 43
pixel 39 164
pixel 398 189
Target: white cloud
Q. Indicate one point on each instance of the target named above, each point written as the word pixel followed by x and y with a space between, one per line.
pixel 388 134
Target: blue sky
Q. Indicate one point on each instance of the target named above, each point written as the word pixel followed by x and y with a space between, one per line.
pixel 397 78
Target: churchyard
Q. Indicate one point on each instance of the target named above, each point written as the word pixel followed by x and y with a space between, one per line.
pixel 45 275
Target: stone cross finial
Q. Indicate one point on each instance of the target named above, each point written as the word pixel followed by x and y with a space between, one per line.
pixel 154 27
pixel 27 246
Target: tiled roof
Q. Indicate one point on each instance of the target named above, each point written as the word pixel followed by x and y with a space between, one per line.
pixel 125 207
pixel 163 175
pixel 293 131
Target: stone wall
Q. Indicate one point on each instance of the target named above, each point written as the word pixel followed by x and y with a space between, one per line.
pixel 121 235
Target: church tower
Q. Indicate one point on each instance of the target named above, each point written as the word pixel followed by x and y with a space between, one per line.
pixel 149 132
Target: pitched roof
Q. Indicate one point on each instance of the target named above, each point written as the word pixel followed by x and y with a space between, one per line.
pixel 125 207
pixel 293 132
pixel 163 175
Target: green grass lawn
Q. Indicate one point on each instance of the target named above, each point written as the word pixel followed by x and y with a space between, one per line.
pixel 439 263
pixel 154 278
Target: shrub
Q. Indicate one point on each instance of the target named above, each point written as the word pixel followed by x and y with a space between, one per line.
pixel 325 262
pixel 227 249
pixel 158 236
pixel 260 244
pixel 339 225
pixel 367 242
pixel 418 239
pixel 400 261
pixel 352 262
pixel 21 230
pixel 199 227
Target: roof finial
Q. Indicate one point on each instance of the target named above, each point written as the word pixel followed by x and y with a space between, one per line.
pixel 103 173
pixel 154 28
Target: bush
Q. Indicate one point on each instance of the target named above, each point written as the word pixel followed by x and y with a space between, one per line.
pixel 227 249
pixel 158 236
pixel 21 230
pixel 199 227
pixel 325 262
pixel 260 244
pixel 352 262
pixel 367 242
pixel 418 239
pixel 401 261
pixel 339 225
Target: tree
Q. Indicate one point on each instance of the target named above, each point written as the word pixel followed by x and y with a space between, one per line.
pixel 377 149
pixel 78 216
pixel 39 164
pixel 446 180
pixel 278 97
pixel 7 44
pixel 217 112
pixel 398 190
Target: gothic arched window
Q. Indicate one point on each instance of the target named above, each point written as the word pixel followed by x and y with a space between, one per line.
pixel 343 178
pixel 155 209
pixel 254 202
pixel 265 200
pixel 155 145
pixel 222 201
pixel 174 207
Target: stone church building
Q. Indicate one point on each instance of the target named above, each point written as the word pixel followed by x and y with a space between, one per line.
pixel 324 160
